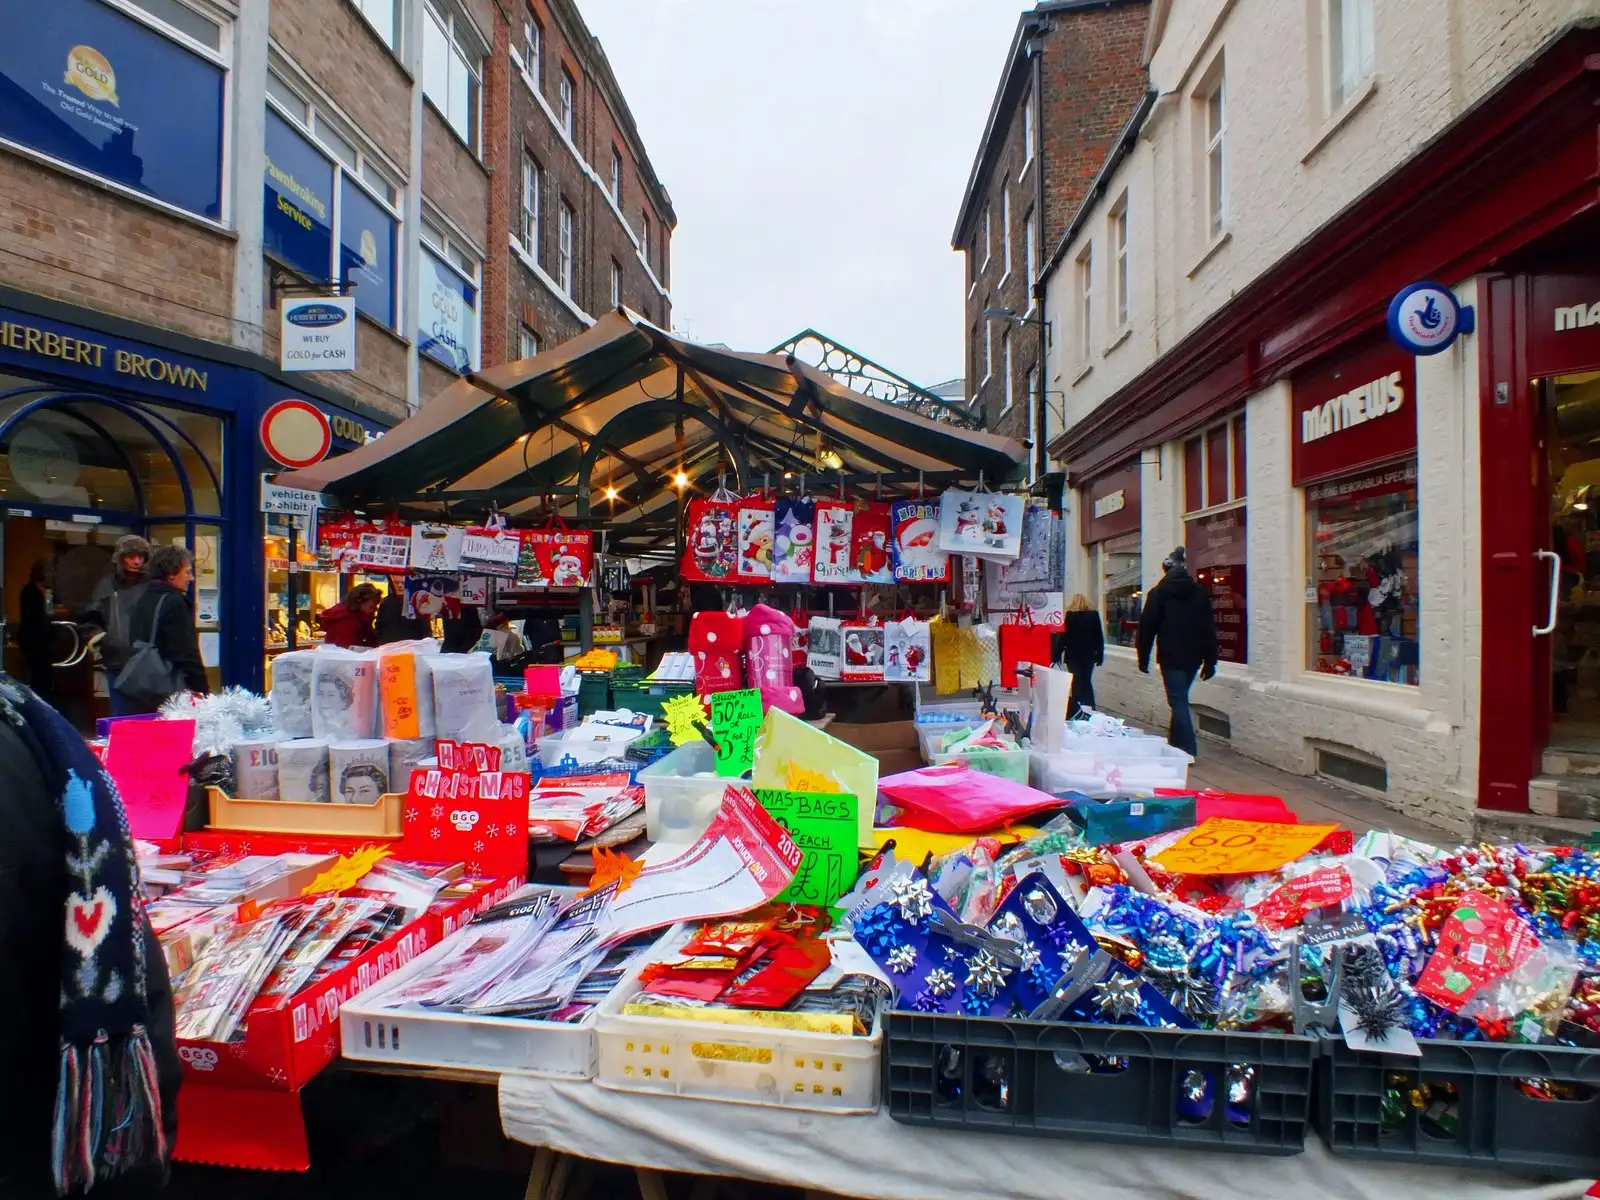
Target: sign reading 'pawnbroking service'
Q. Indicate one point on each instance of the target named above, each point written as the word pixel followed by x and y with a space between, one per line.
pixel 319 334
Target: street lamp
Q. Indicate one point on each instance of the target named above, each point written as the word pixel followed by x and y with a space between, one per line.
pixel 995 313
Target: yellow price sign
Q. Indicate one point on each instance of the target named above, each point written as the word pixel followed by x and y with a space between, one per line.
pixel 804 779
pixel 1222 846
pixel 684 715
pixel 347 872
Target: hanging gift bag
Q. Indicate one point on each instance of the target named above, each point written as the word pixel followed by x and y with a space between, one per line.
pixel 914 542
pixel 946 658
pixel 1023 641
pixel 988 670
pixel 491 549
pixel 968 657
pixel 435 548
pixel 907 651
pixel 556 556
pixel 802 635
pixel 716 640
pixel 824 648
pixel 711 541
pixel 832 562
pixel 863 652
pixel 755 519
pixel 793 540
pixel 869 543
pixel 986 523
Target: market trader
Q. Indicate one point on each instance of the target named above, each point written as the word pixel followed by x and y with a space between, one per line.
pixel 77 959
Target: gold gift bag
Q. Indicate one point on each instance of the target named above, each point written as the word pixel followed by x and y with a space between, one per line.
pixel 946 658
pixel 967 649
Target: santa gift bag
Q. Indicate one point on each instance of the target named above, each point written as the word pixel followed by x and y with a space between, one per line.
pixel 985 523
pixel 863 652
pixel 832 563
pixel 793 540
pixel 824 647
pixel 715 640
pixel 907 651
pixel 710 541
pixel 914 543
pixel 755 540
pixel 556 557
pixel 869 543
pixel 802 635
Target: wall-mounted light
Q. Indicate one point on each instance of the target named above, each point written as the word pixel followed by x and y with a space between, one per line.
pixel 995 313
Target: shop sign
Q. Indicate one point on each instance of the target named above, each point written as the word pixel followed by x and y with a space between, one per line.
pixel 1398 478
pixel 1354 411
pixel 318 334
pixel 35 343
pixel 1563 324
pixel 290 502
pixel 296 433
pixel 448 316
pixel 1426 318
pixel 94 88
pixel 1111 505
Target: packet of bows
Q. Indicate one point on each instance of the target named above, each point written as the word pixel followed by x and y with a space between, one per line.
pixel 1480 941
pixel 1526 1003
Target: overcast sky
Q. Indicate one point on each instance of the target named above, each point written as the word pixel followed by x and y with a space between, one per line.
pixel 816 152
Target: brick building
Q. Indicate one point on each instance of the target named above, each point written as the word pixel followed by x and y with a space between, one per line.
pixel 1071 81
pixel 169 167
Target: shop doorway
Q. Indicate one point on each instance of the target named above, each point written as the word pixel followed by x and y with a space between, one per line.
pixel 1567 640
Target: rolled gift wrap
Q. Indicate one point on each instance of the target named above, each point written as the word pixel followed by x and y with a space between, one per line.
pixel 344 695
pixel 255 769
pixel 303 770
pixel 463 694
pixel 359 770
pixel 291 692
pixel 404 757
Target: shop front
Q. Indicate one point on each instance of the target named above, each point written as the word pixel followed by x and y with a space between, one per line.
pixel 1110 523
pixel 103 434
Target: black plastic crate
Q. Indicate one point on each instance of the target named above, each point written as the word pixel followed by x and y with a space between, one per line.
pixel 944 1071
pixel 1494 1122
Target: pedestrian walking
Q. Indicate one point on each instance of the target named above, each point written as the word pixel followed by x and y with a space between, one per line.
pixel 90 1085
pixel 1081 647
pixel 165 619
pixel 351 624
pixel 112 605
pixel 34 633
pixel 1179 625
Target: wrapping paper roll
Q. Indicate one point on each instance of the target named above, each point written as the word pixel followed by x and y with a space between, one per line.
pixel 303 770
pixel 359 770
pixel 255 769
pixel 405 692
pixel 463 695
pixel 513 750
pixel 344 695
pixel 405 757
pixel 291 692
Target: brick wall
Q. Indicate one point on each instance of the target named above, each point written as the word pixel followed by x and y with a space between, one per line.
pixel 453 180
pixel 336 46
pixel 433 379
pixel 85 245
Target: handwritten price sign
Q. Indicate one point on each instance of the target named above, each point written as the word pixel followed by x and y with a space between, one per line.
pixel 735 720
pixel 1226 847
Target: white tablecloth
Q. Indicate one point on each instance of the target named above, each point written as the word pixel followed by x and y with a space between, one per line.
pixel 874 1158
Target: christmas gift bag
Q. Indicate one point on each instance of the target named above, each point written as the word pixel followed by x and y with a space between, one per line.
pixel 869 543
pixel 715 639
pixel 556 557
pixel 969 657
pixel 1023 641
pixel 863 652
pixel 986 523
pixel 491 549
pixel 755 540
pixel 914 530
pixel 907 651
pixel 1041 562
pixel 711 541
pixel 988 669
pixel 832 563
pixel 824 648
pixel 793 540
pixel 436 548
pixel 946 658
pixel 802 635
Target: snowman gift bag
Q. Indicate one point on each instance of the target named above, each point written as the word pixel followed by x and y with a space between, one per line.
pixel 832 563
pixel 793 541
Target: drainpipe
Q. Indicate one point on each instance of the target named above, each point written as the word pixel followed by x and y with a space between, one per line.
pixel 1041 454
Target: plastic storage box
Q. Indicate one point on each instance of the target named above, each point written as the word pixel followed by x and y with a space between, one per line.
pixel 682 793
pixel 782 1068
pixel 1497 1121
pixel 645 696
pixel 557 749
pixel 1008 764
pixel 1096 1082
pixel 931 737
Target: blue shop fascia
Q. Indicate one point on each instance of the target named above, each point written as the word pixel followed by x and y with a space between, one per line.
pixel 112 426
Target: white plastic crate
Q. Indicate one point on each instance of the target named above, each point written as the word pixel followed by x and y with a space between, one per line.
pixel 556 748
pixel 682 793
pixel 1046 771
pixel 931 737
pixel 781 1068
pixel 1007 764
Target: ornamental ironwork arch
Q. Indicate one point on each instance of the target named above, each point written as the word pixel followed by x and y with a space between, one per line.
pixel 859 373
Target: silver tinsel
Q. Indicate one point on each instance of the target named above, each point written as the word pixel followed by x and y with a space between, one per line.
pixel 220 720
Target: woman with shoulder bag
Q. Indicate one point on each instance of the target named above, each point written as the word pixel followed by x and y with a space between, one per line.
pixel 1082 647
pixel 162 625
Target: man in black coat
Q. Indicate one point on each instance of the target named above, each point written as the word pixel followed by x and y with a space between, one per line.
pixel 34 884
pixel 1178 622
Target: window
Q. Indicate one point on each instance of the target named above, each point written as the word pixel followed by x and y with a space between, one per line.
pixel 1360 529
pixel 1005 231
pixel 330 210
pixel 565 265
pixel 155 128
pixel 644 236
pixel 1085 300
pixel 533 50
pixel 1119 261
pixel 1216 167
pixel 616 284
pixel 988 237
pixel 1350 49
pixel 528 343
pixel 386 19
pixel 1119 564
pixel 1005 367
pixel 616 175
pixel 1215 528
pixel 1027 130
pixel 988 352
pixel 447 308
pixel 532 176
pixel 1033 423
pixel 972 264
pixel 566 106
pixel 452 55
pixel 1030 236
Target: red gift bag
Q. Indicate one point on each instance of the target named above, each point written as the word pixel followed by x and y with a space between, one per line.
pixel 716 640
pixel 710 541
pixel 1023 642
pixel 802 634
pixel 556 556
pixel 869 543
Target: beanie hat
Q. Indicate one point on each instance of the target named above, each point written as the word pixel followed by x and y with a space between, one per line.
pixel 1179 559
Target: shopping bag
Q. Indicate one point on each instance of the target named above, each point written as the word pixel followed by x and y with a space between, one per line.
pixel 491 549
pixel 1041 560
pixel 1023 642
pixel 946 658
pixel 793 538
pixel 556 557
pixel 988 664
pixel 907 651
pixel 825 647
pixel 986 523
pixel 863 652
pixel 755 517
pixel 711 541
pixel 148 678
pixel 802 635
pixel 869 543
pixel 969 657
pixel 832 563
pixel 915 542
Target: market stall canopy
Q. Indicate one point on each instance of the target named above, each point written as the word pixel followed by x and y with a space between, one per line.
pixel 604 423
